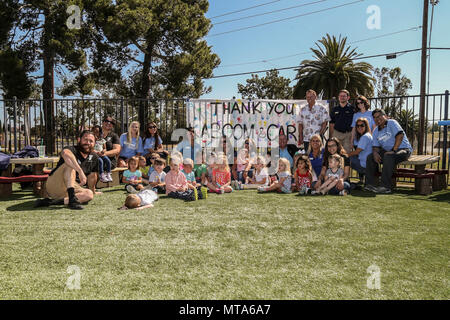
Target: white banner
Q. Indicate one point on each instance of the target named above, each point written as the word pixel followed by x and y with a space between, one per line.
pixel 260 120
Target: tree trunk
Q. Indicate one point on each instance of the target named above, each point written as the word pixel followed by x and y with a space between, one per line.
pixel 48 87
pixel 145 85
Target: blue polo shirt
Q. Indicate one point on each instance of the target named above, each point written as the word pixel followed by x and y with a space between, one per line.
pixel 385 138
pixel 316 163
pixel 284 153
pixel 342 117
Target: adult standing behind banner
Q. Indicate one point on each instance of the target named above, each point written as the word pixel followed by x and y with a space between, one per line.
pixel 341 120
pixel 77 166
pixel 312 119
pixel 131 144
pixel 112 140
pixel 390 147
pixel 188 147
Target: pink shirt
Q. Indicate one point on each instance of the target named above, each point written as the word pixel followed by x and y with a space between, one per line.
pixel 175 181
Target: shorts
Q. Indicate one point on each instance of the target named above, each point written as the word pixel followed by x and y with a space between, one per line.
pixel 56 186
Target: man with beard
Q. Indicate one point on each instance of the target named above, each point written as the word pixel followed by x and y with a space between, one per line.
pixel 77 165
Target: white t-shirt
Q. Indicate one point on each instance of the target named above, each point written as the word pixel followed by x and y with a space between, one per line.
pixel 153 177
pixel 147 196
pixel 261 175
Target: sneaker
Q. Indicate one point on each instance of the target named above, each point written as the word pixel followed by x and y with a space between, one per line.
pixel 75 204
pixel 104 177
pixel 262 189
pixel 110 178
pixel 43 202
pixel 343 193
pixel 221 191
pixel 383 190
pixel 308 191
pixel 131 189
pixel 316 193
pixel 370 188
pixel 204 192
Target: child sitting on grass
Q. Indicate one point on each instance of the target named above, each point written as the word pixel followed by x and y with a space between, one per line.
pixel 176 183
pixel 133 176
pixel 284 174
pixel 221 176
pixel 261 176
pixel 332 176
pixel 188 166
pixel 158 176
pixel 141 200
pixel 303 175
pixel 200 169
pixel 145 169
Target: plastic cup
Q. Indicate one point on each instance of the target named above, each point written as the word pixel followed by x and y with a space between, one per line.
pixel 41 151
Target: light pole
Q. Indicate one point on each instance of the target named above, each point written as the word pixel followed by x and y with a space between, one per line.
pixel 423 78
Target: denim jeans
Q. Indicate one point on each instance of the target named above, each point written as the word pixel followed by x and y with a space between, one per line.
pixel 355 164
pixel 389 163
pixel 106 162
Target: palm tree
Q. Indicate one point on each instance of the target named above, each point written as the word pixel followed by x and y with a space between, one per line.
pixel 333 70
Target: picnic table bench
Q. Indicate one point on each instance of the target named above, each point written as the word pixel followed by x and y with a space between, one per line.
pixel 425 180
pixel 38 175
pixel 115 173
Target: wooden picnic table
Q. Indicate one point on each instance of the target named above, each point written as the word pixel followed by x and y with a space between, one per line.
pixel 420 161
pixel 37 168
pixel 423 179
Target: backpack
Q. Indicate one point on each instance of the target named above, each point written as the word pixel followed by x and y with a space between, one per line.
pixel 4 161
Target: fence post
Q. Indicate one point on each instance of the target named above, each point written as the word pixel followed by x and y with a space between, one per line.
pixel 444 157
pixel 15 123
pixel 122 111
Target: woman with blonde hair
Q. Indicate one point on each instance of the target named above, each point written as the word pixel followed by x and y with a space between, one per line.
pixel 131 144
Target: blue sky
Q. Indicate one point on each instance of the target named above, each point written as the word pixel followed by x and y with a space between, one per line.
pixel 299 35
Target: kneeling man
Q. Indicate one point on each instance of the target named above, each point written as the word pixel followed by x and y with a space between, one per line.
pixel 76 166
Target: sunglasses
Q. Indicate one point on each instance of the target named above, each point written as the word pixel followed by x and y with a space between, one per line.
pixel 360 125
pixel 360 102
pixel 109 121
pixel 151 127
pixel 153 158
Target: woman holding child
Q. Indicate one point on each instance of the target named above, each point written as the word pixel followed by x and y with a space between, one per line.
pixel 334 146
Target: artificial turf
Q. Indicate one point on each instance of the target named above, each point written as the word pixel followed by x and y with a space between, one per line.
pixel 242 245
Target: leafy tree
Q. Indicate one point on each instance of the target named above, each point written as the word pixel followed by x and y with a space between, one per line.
pixel 168 35
pixel 39 34
pixel 272 86
pixel 334 69
pixel 390 83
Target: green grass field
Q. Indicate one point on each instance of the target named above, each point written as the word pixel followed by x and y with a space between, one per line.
pixel 238 246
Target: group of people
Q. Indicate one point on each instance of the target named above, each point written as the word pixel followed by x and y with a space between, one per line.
pixel 359 139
